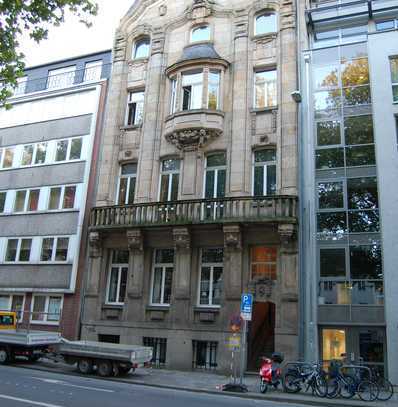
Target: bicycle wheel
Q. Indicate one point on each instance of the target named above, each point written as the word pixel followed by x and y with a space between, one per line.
pixel 333 388
pixel 291 383
pixel 386 389
pixel 347 387
pixel 368 391
pixel 320 386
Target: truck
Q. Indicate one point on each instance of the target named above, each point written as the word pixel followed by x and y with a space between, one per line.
pixel 107 359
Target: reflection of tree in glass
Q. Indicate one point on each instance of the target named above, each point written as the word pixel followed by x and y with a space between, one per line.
pixel 330 195
pixel 328 133
pixel 362 193
pixel 355 72
pixel 330 158
pixel 357 96
pixel 358 130
pixel 364 221
pixel 366 262
pixel 332 223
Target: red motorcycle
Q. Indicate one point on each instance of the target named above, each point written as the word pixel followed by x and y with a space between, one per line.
pixel 271 372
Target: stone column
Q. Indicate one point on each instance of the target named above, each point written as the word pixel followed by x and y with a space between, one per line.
pixel 92 296
pixel 233 262
pixel 182 276
pixel 135 280
pixel 239 106
pixel 286 330
pixel 189 175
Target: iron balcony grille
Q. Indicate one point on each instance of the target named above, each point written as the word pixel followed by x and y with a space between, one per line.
pixel 159 346
pixel 238 209
pixel 204 355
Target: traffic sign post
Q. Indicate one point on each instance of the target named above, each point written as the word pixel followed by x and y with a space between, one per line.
pixel 246 310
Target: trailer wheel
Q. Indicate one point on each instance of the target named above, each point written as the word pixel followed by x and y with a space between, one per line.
pixel 85 366
pixel 4 356
pixel 105 368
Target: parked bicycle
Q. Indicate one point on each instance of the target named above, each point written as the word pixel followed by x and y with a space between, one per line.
pixel 306 376
pixel 348 380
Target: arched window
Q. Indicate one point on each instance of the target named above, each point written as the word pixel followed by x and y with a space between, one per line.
pixel 141 48
pixel 266 23
pixel 201 33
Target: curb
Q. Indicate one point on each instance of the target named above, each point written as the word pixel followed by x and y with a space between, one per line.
pixel 304 399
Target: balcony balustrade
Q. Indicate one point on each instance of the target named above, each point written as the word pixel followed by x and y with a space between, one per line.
pixel 272 209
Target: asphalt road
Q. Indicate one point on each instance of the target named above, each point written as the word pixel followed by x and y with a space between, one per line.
pixel 21 387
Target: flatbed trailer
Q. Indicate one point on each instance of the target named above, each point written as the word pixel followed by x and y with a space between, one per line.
pixel 106 358
pixel 25 343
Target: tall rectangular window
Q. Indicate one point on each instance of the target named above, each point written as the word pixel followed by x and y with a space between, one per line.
pixel 3 197
pixel 192 90
pixel 213 97
pixel 61 77
pixel 215 177
pixel 27 155
pixel 211 277
pixel 117 278
pixel 169 180
pixel 265 93
pixel 173 99
pixel 127 181
pixel 162 276
pixel 264 172
pixel 263 263
pixel 159 350
pixel 204 355
pixel 135 108
pixel 394 77
pixel 7 157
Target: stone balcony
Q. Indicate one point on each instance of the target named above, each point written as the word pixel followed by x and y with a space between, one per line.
pixel 278 209
pixel 191 129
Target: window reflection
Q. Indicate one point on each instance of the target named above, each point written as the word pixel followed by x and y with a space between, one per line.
pixel 366 262
pixel 332 223
pixel 330 195
pixel 328 133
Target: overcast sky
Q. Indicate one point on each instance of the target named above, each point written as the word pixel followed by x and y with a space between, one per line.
pixel 73 38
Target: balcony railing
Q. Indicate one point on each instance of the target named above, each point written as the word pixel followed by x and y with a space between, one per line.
pixel 60 81
pixel 238 209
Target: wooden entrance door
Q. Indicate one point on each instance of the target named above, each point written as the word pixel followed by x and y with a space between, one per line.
pixel 261 338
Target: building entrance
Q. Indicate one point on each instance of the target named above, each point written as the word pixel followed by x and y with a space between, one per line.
pixel 261 336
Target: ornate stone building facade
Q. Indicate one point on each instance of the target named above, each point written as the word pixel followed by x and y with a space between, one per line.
pixel 197 188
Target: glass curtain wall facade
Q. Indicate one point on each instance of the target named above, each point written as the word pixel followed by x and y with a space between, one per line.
pixel 350 292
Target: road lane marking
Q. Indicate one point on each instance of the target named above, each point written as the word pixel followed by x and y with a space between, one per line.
pixel 31 402
pixel 62 383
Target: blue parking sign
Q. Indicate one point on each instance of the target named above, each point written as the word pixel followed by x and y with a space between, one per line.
pixel 246 304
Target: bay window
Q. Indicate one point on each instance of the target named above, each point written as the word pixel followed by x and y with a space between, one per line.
pixel 169 180
pixel 117 278
pixel 162 276
pixel 264 172
pixel 127 180
pixel 196 89
pixel 211 274
pixel 265 93
pixel 192 90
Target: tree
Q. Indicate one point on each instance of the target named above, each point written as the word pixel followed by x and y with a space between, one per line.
pixel 33 17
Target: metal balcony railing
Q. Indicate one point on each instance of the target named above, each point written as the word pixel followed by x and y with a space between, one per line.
pixel 238 209
pixel 61 81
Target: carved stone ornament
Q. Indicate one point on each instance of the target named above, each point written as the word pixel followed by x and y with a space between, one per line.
pixel 192 139
pixel 181 238
pixel 287 233
pixel 200 9
pixel 162 10
pixel 135 240
pixel 232 238
pixel 264 289
pixel 95 244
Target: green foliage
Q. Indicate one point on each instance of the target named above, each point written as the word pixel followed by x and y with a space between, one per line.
pixel 33 17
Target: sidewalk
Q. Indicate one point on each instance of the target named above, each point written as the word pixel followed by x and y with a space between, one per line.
pixel 204 382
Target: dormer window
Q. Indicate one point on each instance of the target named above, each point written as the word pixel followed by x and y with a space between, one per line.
pixel 265 23
pixel 141 48
pixel 201 33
